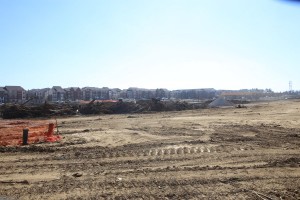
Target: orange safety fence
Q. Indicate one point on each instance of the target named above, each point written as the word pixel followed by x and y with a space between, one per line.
pixel 11 132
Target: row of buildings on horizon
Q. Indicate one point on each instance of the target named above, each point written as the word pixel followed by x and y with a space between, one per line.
pixel 17 94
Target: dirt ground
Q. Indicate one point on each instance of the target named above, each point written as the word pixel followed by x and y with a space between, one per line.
pixel 224 153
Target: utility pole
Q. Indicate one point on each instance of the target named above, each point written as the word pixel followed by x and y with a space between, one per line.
pixel 290 86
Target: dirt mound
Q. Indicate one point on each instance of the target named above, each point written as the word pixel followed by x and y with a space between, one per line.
pixel 44 110
pixel 138 107
pixel 158 106
pixel 236 101
pixel 109 108
pixel 220 102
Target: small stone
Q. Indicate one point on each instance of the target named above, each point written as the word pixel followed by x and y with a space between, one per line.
pixel 77 174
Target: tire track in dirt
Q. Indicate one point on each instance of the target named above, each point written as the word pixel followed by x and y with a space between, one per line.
pixel 183 150
pixel 148 186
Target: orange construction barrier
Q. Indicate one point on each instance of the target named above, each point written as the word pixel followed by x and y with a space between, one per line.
pixel 11 132
pixel 50 137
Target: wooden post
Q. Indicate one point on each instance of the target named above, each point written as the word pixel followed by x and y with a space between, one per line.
pixel 25 136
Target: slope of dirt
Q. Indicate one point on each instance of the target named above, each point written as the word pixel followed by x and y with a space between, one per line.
pixel 230 153
pixel 51 110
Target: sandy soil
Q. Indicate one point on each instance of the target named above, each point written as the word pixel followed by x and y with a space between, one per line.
pixel 249 153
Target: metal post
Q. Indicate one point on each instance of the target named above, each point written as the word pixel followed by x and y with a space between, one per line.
pixel 50 130
pixel 25 136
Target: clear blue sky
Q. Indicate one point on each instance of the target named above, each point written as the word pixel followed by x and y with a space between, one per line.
pixel 173 44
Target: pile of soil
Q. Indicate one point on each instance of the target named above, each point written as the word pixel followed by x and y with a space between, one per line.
pixel 138 107
pixel 44 110
pixel 158 106
pixel 236 101
pixel 141 106
pixel 220 102
pixel 109 108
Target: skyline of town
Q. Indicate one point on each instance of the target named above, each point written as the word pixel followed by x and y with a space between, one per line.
pixel 17 94
pixel 288 88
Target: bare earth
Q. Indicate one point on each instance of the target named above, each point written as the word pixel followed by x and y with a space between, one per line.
pixel 225 153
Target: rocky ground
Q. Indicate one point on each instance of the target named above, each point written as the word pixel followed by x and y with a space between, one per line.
pixel 224 153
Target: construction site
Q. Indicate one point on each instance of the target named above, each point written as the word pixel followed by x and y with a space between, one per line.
pixel 151 150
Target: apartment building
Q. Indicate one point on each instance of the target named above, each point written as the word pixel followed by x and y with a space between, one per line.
pixel 15 94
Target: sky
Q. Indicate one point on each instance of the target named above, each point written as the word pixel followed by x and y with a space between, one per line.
pixel 173 44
